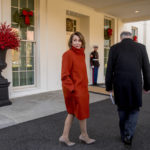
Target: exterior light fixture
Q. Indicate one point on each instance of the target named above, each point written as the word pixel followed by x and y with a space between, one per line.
pixel 137 11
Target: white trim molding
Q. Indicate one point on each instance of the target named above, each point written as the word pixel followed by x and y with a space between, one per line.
pixel 0 10
pixel 5 11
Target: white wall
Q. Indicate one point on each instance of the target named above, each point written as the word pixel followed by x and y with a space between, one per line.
pixel 85 28
pixel 97 37
pixel 120 28
pixel 143 32
pixel 56 42
pixel 51 41
pixel 139 25
pixel 147 37
pixel 96 34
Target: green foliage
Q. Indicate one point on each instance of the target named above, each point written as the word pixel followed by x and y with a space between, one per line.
pixel 106 36
pixel 19 18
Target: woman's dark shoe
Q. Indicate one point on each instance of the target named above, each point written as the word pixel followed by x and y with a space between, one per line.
pixel 67 142
pixel 86 139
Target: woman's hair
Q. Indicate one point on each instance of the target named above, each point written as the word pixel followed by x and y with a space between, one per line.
pixel 81 38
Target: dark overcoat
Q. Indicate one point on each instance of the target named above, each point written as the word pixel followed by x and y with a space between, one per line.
pixel 128 71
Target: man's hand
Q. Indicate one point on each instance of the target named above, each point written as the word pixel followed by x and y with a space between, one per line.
pixel 110 92
pixel 92 66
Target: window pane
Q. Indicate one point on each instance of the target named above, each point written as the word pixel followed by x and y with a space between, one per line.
pixel 15 60
pixel 106 43
pixel 14 26
pixel 30 63
pixel 105 60
pixel 14 3
pixel 23 64
pixel 15 79
pixel 22 78
pixel 30 33
pixel 13 11
pixel 30 49
pixel 23 3
pixel 31 4
pixel 32 22
pixel 105 54
pixel 23 49
pixel 23 33
pixel 30 78
pixel 104 71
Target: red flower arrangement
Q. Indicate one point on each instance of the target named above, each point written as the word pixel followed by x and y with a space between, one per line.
pixel 9 38
pixel 109 32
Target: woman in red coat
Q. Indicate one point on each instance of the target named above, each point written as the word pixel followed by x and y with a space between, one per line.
pixel 75 88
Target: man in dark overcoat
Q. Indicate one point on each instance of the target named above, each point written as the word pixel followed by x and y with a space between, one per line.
pixel 128 72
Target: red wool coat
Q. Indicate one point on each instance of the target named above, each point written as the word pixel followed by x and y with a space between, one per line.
pixel 75 83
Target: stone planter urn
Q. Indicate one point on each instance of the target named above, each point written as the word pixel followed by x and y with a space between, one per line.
pixel 4 84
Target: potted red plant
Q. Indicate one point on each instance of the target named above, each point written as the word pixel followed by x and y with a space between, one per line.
pixel 9 39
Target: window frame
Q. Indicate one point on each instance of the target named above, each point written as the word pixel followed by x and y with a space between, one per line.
pixel 34 56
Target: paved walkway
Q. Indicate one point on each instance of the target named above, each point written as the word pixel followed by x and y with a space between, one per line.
pixel 36 106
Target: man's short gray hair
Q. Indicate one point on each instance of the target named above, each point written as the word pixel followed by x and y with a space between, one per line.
pixel 125 34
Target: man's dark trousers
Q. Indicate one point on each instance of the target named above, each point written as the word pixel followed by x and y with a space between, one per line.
pixel 95 74
pixel 127 121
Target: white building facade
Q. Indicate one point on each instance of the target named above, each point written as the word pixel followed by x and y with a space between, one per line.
pixel 36 67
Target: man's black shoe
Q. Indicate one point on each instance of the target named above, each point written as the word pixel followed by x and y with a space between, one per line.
pixel 95 84
pixel 128 140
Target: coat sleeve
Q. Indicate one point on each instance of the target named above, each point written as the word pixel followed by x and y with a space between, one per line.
pixel 146 69
pixel 109 72
pixel 66 73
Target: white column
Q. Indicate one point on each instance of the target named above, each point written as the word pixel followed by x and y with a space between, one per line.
pixel 144 32
pixel 147 31
pixel 5 9
pixel 0 11
pixel 42 39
